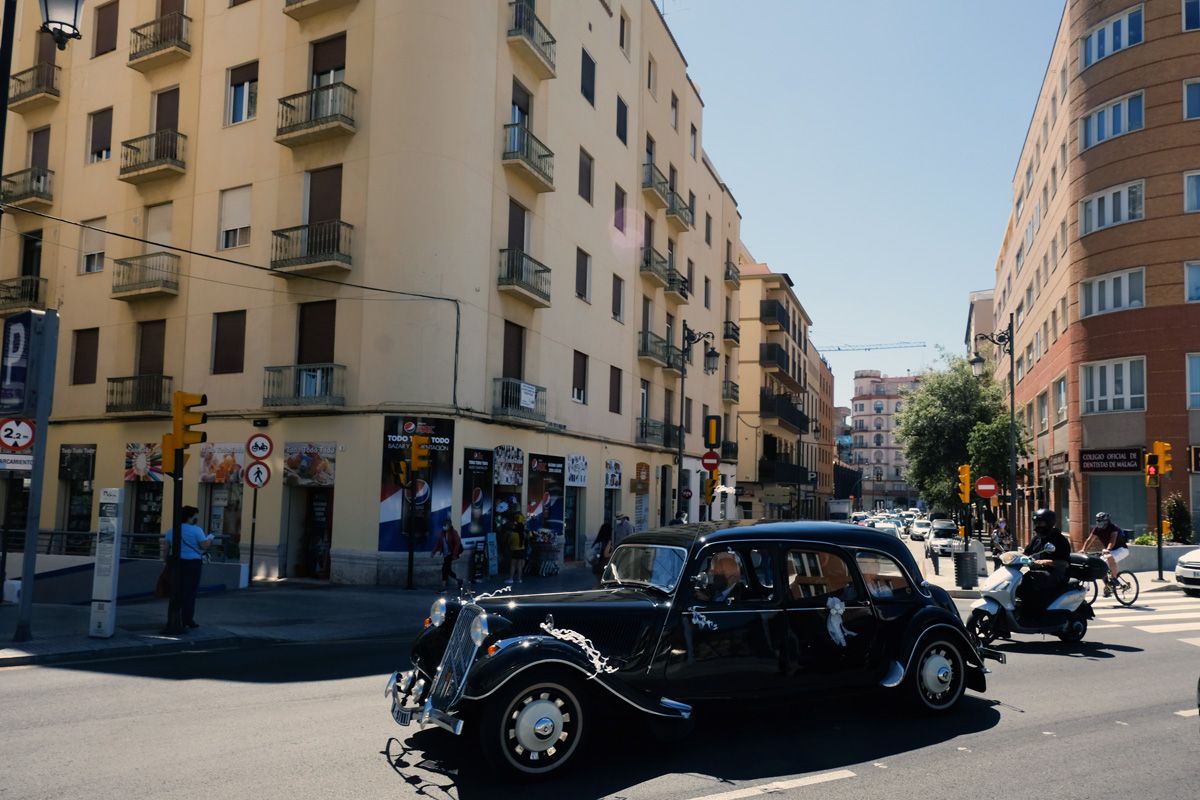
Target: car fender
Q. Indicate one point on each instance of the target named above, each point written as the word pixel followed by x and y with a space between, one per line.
pixel 517 655
pixel 929 622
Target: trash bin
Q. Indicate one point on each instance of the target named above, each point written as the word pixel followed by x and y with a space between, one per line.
pixel 965 570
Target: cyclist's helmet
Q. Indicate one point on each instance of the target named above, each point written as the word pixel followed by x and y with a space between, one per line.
pixel 1102 518
pixel 1044 516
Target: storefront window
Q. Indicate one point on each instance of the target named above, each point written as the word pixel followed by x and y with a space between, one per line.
pixel 1122 496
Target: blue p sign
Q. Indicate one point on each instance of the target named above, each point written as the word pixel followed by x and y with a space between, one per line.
pixel 14 362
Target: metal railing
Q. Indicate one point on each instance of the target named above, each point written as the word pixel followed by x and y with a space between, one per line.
pixel 152 150
pixel 324 104
pixel 654 263
pixel 771 354
pixel 169 30
pixel 38 79
pixel 677 283
pixel 651 345
pixel 520 143
pixel 316 242
pixel 772 471
pixel 653 179
pixel 516 398
pixel 523 22
pixel 26 184
pixel 733 274
pixel 678 208
pixel 304 385
pixel 151 271
pixel 773 312
pixel 782 407
pixel 729 451
pixel 518 269
pixel 733 331
pixel 26 291
pixel 651 431
pixel 139 393
pixel 730 391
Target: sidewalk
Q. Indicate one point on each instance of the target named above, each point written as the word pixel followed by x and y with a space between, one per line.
pixel 280 611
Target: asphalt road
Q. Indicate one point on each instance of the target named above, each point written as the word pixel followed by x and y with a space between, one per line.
pixel 1096 720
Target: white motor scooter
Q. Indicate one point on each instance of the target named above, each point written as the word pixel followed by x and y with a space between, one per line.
pixel 997 614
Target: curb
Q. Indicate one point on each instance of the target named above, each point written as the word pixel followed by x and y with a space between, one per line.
pixel 975 594
pixel 123 650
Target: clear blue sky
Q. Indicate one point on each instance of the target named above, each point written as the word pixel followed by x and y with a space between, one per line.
pixel 871 147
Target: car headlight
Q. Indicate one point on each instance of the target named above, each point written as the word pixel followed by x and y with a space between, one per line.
pixel 479 630
pixel 437 612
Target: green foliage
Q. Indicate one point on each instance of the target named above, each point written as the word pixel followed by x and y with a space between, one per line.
pixel 987 446
pixel 1146 538
pixel 1175 510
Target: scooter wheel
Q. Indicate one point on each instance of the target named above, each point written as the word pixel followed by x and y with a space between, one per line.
pixel 1075 631
pixel 982 627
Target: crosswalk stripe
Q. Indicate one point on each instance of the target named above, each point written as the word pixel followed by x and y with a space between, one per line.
pixel 1145 602
pixel 1188 712
pixel 1152 617
pixel 1098 627
pixel 779 786
pixel 1170 628
pixel 1191 641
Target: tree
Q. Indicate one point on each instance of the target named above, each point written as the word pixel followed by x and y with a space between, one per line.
pixel 1175 509
pixel 987 447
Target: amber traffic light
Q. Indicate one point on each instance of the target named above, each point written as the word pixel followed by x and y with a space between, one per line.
pixel 183 418
pixel 964 482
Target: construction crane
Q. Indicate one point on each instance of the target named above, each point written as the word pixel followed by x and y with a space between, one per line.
pixel 883 346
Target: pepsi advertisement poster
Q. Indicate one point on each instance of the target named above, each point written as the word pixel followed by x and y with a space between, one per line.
pixel 475 517
pixel 415 510
pixel 545 502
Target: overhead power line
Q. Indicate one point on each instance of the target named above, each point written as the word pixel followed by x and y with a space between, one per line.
pixel 883 346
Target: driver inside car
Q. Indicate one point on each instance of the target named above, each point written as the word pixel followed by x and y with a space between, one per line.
pixel 1047 576
pixel 725 581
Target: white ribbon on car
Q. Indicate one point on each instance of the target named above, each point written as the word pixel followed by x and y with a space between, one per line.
pixel 599 662
pixel 701 621
pixel 837 630
pixel 499 591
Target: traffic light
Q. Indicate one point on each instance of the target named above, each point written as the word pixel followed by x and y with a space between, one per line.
pixel 964 482
pixel 1152 470
pixel 183 418
pixel 712 432
pixel 1164 458
pixel 168 454
pixel 420 452
pixel 710 488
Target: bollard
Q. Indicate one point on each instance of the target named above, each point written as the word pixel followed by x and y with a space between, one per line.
pixel 965 570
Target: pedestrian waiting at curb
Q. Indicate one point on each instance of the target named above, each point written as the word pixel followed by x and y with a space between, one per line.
pixel 449 544
pixel 194 542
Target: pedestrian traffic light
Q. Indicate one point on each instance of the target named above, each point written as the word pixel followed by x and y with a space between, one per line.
pixel 964 482
pixel 183 418
pixel 420 452
pixel 1152 470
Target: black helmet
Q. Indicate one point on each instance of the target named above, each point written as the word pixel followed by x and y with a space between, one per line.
pixel 1044 516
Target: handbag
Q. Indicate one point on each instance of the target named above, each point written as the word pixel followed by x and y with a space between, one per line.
pixel 162 587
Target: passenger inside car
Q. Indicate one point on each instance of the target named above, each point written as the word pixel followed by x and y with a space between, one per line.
pixel 814 574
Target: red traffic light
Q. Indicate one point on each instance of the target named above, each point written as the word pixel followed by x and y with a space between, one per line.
pixel 1151 470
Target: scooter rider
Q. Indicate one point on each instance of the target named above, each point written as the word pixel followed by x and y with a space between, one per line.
pixel 1047 576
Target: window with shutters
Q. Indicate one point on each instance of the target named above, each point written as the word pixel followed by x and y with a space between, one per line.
pixel 622 121
pixel 579 378
pixel 619 209
pixel 513 365
pixel 229 342
pixel 91 245
pixel 614 390
pixel 585 175
pixel 618 298
pixel 583 275
pixel 105 40
pixel 99 136
pixel 693 140
pixel 687 415
pixel 587 77
pixel 83 358
pixel 708 229
pixel 707 292
pixel 235 218
pixel 316 323
pixel 242 103
pixel 674 111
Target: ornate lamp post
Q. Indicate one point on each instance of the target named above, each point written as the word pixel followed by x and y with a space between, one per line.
pixel 711 360
pixel 1004 340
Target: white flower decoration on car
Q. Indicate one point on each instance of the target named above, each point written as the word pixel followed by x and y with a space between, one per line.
pixel 837 630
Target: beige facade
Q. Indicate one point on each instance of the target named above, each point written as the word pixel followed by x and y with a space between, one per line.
pixel 819 446
pixel 878 398
pixel 980 320
pixel 399 229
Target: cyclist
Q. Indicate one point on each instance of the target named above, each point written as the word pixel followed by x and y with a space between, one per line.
pixel 1113 539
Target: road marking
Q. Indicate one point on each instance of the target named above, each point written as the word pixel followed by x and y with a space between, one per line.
pixel 1152 602
pixel 779 786
pixel 1191 641
pixel 1098 627
pixel 1170 628
pixel 1147 617
pixel 1188 712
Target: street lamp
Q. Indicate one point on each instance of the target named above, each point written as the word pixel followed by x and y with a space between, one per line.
pixel 711 360
pixel 60 19
pixel 1004 340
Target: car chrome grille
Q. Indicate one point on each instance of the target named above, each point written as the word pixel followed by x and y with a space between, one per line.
pixel 450 680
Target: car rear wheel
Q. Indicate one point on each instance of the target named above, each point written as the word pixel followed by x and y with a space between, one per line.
pixel 937 677
pixel 534 725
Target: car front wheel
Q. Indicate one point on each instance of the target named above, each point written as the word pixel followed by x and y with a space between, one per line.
pixel 938 676
pixel 534 725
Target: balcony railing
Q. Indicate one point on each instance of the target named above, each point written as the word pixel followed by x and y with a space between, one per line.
pixel 729 451
pixel 524 27
pixel 319 113
pixel 733 274
pixel 654 266
pixel 653 347
pixel 677 284
pixel 153 155
pixel 773 312
pixel 139 394
pixel 21 294
pixel 39 81
pixel 521 147
pixel 28 187
pixel 678 211
pixel 524 275
pixel 304 385
pixel 150 274
pixel 772 471
pixel 314 246
pixel 781 407
pixel 168 32
pixel 730 391
pixel 733 332
pixel 651 431
pixel 655 185
pixel 773 356
pixel 516 398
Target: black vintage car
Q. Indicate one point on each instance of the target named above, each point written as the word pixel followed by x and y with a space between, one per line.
pixel 684 615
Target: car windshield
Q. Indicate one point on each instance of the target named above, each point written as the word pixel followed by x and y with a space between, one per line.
pixel 646 565
pixel 945 533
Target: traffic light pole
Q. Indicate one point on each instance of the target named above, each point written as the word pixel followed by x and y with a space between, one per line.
pixel 1158 526
pixel 174 559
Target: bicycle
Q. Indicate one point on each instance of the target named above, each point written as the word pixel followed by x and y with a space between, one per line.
pixel 1124 587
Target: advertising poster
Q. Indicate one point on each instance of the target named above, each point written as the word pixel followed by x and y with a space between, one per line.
pixel 309 463
pixel 143 462
pixel 415 510
pixel 612 474
pixel 545 505
pixel 221 462
pixel 576 469
pixel 475 519
pixel 508 470
pixel 509 465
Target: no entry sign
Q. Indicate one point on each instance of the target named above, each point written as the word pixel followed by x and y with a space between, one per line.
pixel 710 460
pixel 986 487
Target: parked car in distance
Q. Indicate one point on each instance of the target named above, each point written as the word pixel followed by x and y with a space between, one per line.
pixel 859 517
pixel 685 615
pixel 1187 572
pixel 919 530
pixel 944 538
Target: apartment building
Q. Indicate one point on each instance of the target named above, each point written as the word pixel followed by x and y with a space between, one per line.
pixel 818 447
pixel 980 320
pixel 1100 263
pixel 774 366
pixel 345 224
pixel 877 399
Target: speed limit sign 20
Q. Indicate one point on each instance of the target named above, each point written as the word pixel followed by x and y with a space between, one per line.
pixel 16 434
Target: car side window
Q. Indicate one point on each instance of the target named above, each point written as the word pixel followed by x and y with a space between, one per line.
pixel 813 574
pixel 884 578
pixel 763 566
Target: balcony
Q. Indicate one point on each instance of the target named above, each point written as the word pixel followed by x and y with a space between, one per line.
pixel 303 9
pixel 772 471
pixel 677 286
pixel 151 275
pixel 139 394
pixel 517 399
pixel 655 186
pixel 326 112
pixel 781 407
pixel 679 214
pixel 28 188
pixel 733 275
pixel 651 432
pixel 157 155
pixel 160 41
pixel 773 356
pixel 652 348
pixel 530 39
pixel 653 266
pixel 308 385
pixel 528 158
pixel 524 277
pixel 674 357
pixel 25 293
pixel 733 332
pixel 730 392
pixel 773 315
pixel 318 247
pixel 34 87
pixel 729 451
